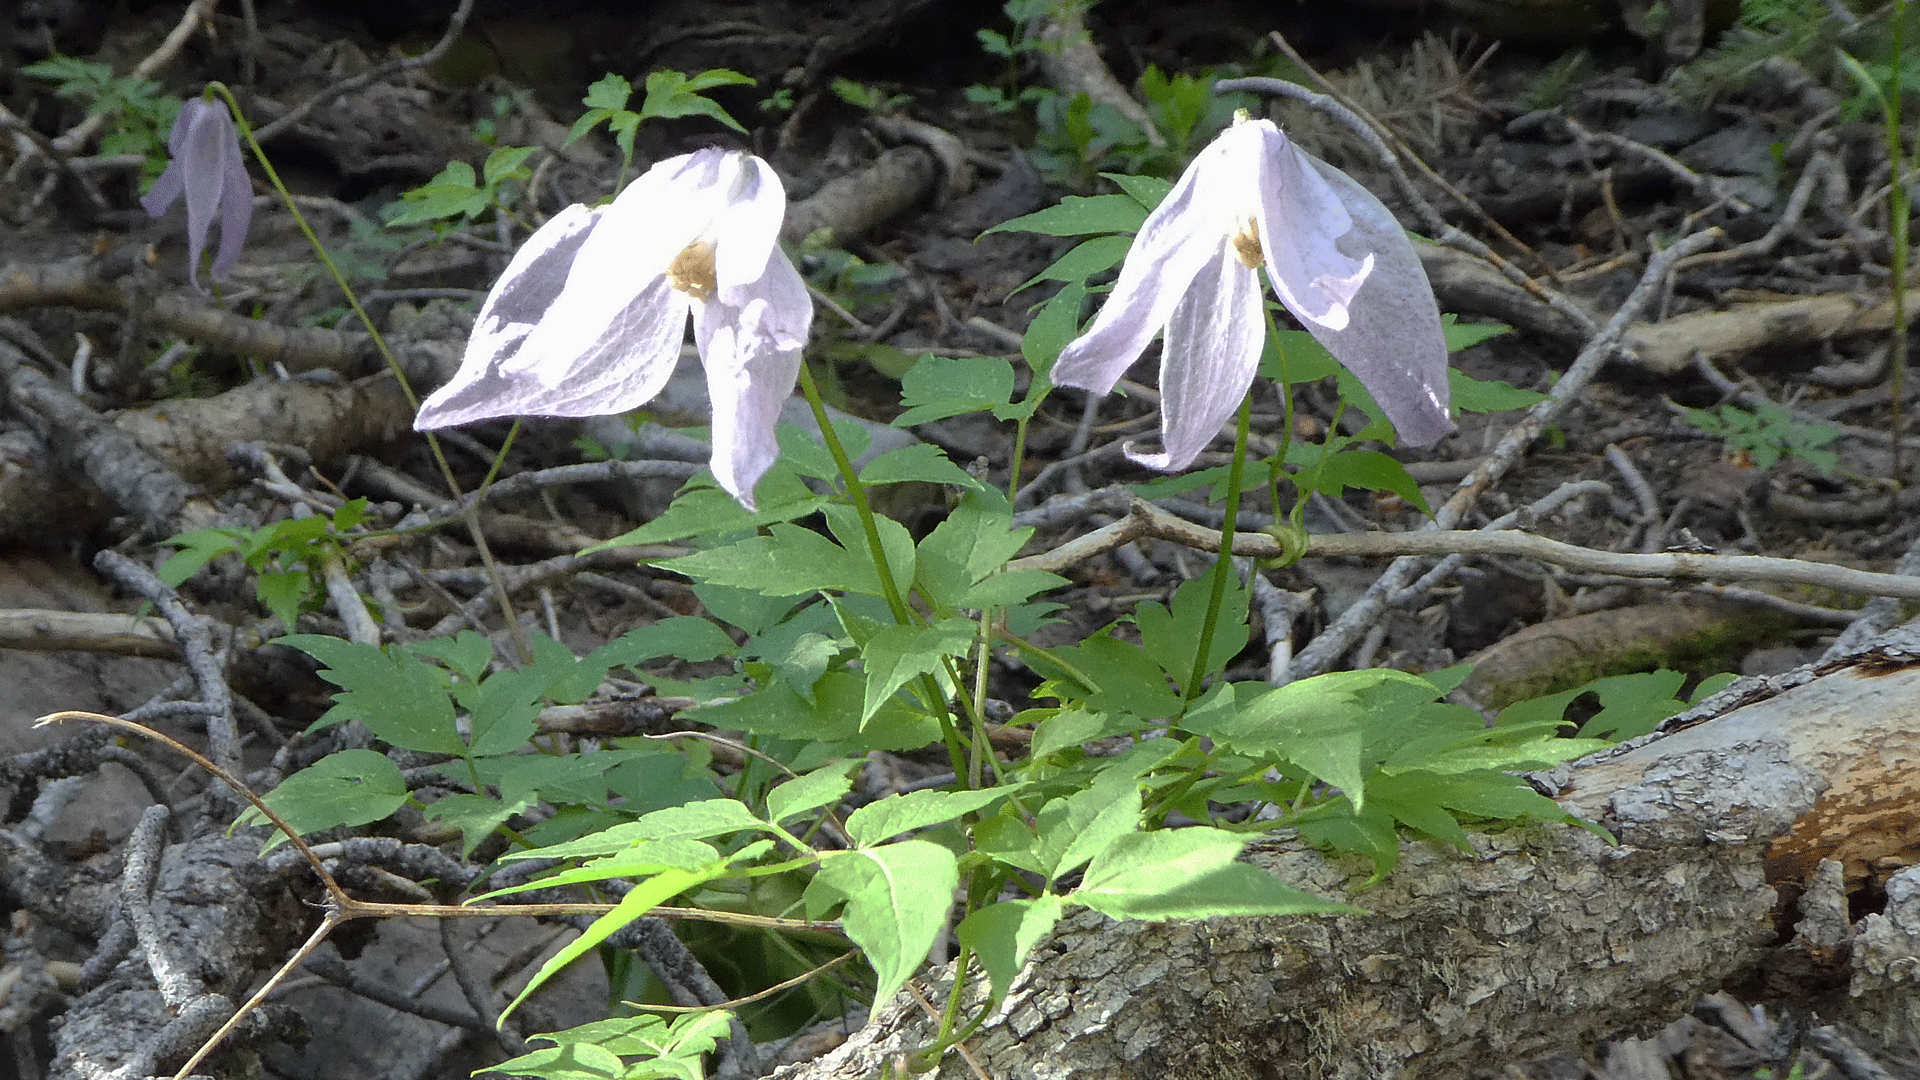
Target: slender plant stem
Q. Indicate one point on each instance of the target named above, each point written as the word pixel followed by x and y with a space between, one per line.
pixel 896 601
pixel 393 364
pixel 1224 567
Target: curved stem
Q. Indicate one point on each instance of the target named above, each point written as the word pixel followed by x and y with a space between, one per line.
pixel 393 365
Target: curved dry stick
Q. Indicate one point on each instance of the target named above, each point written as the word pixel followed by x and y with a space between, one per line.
pixel 1148 520
pixel 1323 651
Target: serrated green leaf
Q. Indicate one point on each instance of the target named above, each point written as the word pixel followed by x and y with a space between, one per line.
pixel 1187 874
pixel 609 92
pixel 805 794
pixel 897 899
pixel 400 699
pixel 1078 828
pixel 1009 588
pixel 1461 335
pixel 938 387
pixel 708 511
pixel 1471 395
pixel 896 814
pixel 922 462
pixel 787 561
pixel 1057 323
pixel 1003 935
pixel 1172 636
pixel 897 654
pixel 348 787
pixel 476 816
pixel 1084 260
pixel 282 592
pixel 1080 215
pixel 466 654
pixel 682 637
pixel 895 542
pixel 690 821
pixel 507 162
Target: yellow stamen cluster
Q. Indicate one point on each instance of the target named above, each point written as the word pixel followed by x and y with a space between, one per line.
pixel 691 271
pixel 1246 246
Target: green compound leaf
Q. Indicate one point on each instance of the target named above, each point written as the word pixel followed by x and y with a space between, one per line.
pixel 897 898
pixel 398 697
pixel 937 387
pixel 922 461
pixel 351 787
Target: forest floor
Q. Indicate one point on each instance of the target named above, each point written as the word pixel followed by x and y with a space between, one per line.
pixel 1574 161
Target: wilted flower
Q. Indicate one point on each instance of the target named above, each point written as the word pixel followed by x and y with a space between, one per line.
pixel 206 167
pixel 1337 259
pixel 590 315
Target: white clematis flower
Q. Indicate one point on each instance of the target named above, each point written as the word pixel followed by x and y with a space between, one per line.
pixel 1337 259
pixel 590 315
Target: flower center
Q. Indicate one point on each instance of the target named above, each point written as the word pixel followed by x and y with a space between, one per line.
pixel 691 271
pixel 1246 245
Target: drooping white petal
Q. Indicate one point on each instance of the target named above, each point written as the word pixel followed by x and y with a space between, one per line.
pixel 1179 237
pixel 1392 342
pixel 752 357
pixel 746 232
pixel 1208 359
pixel 205 166
pixel 501 375
pixel 1301 220
pixel 639 234
pixel 236 201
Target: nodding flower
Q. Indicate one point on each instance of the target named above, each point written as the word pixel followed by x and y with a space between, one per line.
pixel 591 313
pixel 1337 260
pixel 206 167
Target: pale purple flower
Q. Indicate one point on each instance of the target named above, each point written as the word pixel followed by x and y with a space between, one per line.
pixel 1337 259
pixel 591 313
pixel 207 168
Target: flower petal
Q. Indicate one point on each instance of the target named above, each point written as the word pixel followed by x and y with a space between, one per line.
pixel 236 202
pixel 1393 342
pixel 1301 221
pixel 745 232
pixel 205 143
pixel 1179 237
pixel 752 357
pixel 638 235
pixel 500 375
pixel 1208 360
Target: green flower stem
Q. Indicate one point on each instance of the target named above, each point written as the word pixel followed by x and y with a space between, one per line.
pixel 472 510
pixel 896 601
pixel 1224 566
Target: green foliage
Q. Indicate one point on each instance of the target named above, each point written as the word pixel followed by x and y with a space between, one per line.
pixel 1768 433
pixel 286 555
pixel 670 94
pixel 142 114
pixel 457 193
pixel 599 1051
pixel 871 98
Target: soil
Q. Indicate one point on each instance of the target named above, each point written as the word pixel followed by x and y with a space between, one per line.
pixel 1574 156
